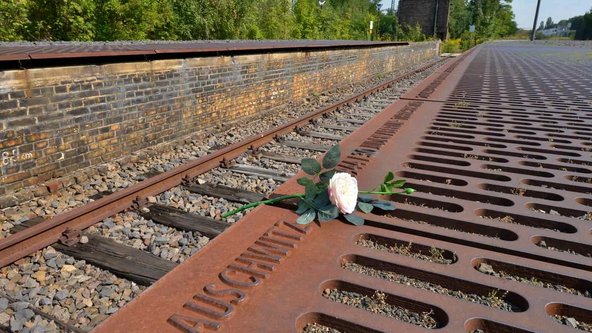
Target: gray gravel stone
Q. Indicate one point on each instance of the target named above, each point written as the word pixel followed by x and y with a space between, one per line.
pixel 3 304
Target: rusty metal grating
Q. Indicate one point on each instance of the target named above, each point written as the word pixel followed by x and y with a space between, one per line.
pixel 60 50
pixel 500 225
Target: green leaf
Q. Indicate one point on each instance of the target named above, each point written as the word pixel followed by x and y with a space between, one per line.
pixel 331 158
pixel 326 176
pixel 384 205
pixel 328 213
pixel 365 207
pixel 310 166
pixel 307 217
pixel 305 181
pixel 409 190
pixel 322 199
pixel 310 191
pixel 398 183
pixel 353 219
pixel 321 187
pixel 389 176
pixel 383 188
pixel 365 198
pixel 302 207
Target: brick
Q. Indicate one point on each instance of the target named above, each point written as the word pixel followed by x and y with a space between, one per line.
pixel 34 101
pixel 11 178
pixel 54 186
pixel 33 137
pixel 13 113
pixel 22 122
pixel 8 143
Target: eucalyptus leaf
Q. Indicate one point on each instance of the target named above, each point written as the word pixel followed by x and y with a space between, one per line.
pixel 326 176
pixel 331 158
pixel 365 207
pixel 321 187
pixel 302 207
pixel 322 199
pixel 310 191
pixel 353 219
pixel 328 213
pixel 304 181
pixel 306 217
pixel 384 205
pixel 310 166
pixel 365 198
pixel 389 176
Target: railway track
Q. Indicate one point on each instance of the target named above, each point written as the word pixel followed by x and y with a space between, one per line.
pixel 496 237
pixel 114 232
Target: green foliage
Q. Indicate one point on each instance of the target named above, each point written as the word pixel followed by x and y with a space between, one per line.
pixel 13 19
pixel 389 26
pixel 411 33
pixel 549 24
pixel 492 18
pixel 132 19
pixel 451 46
pixel 460 18
pixel 582 26
pixel 61 20
pixel 310 166
pixel 332 157
pixel 108 20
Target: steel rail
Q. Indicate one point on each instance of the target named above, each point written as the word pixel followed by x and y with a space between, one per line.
pixel 23 243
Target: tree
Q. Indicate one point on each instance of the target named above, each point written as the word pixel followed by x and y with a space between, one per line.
pixel 132 19
pixel 582 25
pixel 388 26
pixel 307 14
pixel 542 25
pixel 549 23
pixel 191 20
pixel 13 19
pixel 459 19
pixel 61 20
pixel 277 23
pixel 492 18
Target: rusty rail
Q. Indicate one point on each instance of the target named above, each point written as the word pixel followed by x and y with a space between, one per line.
pixel 507 208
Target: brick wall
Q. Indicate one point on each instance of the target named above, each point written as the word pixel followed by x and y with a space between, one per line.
pixel 54 121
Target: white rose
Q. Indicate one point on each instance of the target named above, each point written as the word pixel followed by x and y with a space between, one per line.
pixel 343 192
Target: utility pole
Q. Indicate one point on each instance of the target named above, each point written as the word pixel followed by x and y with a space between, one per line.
pixel 536 17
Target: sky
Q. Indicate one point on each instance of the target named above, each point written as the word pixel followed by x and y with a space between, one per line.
pixel 524 10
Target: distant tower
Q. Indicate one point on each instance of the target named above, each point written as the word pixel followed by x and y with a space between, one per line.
pixel 393 6
pixel 432 16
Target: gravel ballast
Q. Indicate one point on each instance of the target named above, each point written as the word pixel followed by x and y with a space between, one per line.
pixel 494 299
pixel 378 304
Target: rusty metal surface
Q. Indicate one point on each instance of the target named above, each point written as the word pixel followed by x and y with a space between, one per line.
pixel 26 242
pixel 461 144
pixel 62 50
